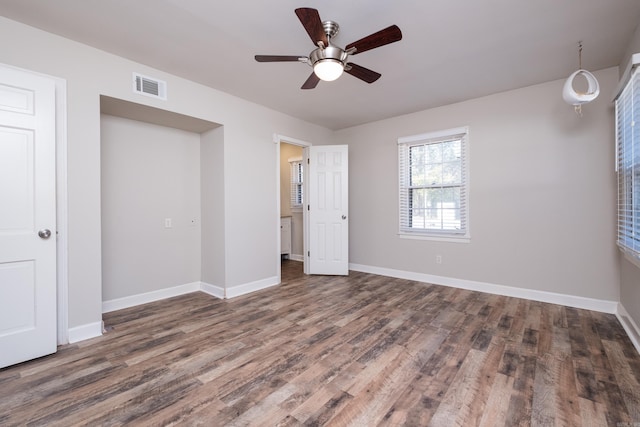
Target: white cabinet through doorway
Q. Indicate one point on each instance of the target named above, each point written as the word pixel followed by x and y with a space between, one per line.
pixel 285 235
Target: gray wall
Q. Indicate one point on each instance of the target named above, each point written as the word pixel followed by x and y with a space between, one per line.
pixel 149 173
pixel 250 240
pixel 297 236
pixel 634 47
pixel 542 198
pixel 212 207
pixel 630 288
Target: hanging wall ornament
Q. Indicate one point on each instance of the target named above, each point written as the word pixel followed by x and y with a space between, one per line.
pixel 575 98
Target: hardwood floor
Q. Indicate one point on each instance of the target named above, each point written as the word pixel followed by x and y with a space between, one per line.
pixel 362 350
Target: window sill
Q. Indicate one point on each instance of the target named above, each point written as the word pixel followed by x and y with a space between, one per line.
pixel 436 238
pixel 630 256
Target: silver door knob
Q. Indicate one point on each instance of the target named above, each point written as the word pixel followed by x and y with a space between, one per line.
pixel 44 234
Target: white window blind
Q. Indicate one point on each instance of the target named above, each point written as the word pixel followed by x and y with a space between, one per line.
pixel 433 169
pixel 628 165
pixel 296 183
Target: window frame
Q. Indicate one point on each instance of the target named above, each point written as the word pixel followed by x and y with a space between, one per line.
pixel 627 138
pixel 296 186
pixel 462 235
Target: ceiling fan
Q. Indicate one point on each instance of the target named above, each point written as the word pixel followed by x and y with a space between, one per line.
pixel 329 61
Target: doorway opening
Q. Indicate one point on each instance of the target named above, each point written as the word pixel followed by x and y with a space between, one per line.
pixel 292 182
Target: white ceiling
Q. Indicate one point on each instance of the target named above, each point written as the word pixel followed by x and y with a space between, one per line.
pixel 452 50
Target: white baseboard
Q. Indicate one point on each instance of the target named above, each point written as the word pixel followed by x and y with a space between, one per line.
pixel 236 291
pixel 296 257
pixel 92 330
pixel 530 294
pixel 133 300
pixel 213 290
pixel 629 326
pixel 84 332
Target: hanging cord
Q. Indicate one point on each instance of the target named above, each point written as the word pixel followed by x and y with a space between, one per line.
pixel 578 108
pixel 580 55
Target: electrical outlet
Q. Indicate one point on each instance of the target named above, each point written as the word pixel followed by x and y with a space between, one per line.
pixel 168 223
pixel 438 259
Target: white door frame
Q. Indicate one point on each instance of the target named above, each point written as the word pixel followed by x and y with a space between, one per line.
pixel 277 139
pixel 62 245
pixel 62 255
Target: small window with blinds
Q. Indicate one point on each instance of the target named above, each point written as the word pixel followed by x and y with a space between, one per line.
pixel 434 185
pixel 296 184
pixel 628 165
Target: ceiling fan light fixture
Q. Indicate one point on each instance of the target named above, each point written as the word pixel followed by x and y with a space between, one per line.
pixel 328 69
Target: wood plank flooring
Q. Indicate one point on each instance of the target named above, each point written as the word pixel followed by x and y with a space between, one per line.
pixel 362 350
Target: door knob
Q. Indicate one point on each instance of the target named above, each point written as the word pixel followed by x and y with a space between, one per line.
pixel 45 233
pixel 344 217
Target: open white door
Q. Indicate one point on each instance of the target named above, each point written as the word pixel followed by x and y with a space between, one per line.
pixel 27 216
pixel 328 210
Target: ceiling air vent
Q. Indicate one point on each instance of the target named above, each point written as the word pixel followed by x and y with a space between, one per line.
pixel 149 86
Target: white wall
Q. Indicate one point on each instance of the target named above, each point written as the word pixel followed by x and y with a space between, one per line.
pixel 542 195
pixel 148 173
pixel 249 156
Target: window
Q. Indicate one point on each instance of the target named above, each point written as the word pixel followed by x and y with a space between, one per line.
pixel 628 165
pixel 434 185
pixel 296 183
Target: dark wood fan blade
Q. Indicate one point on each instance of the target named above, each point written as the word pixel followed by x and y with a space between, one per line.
pixel 310 19
pixel 278 58
pixel 388 35
pixel 362 73
pixel 311 82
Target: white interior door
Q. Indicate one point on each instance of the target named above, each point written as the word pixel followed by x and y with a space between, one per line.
pixel 27 216
pixel 328 210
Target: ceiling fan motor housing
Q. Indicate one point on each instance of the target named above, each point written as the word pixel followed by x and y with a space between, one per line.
pixel 331 28
pixel 328 53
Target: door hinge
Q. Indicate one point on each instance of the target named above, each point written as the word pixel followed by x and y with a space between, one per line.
pixel 307 160
pixel 309 254
pixel 308 208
